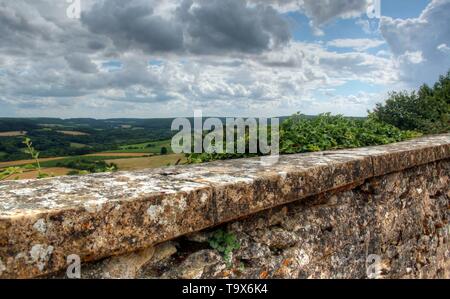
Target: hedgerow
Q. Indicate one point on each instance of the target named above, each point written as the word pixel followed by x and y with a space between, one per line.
pixel 300 134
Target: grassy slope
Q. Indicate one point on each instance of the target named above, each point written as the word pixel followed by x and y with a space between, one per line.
pixel 142 147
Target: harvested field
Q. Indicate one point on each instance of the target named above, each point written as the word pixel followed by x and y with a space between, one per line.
pixel 13 133
pixel 148 162
pixel 73 133
pixel 119 155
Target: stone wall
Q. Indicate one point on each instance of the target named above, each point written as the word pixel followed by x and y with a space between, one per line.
pixel 401 217
pixel 318 215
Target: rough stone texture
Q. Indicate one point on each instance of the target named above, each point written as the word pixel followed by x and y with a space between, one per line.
pixel 103 215
pixel 127 266
pixel 402 217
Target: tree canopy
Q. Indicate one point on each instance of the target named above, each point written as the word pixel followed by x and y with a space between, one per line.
pixel 426 110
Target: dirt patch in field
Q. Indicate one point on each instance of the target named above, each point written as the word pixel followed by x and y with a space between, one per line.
pixel 78 145
pixel 13 133
pixel 148 162
pixel 73 133
pixel 119 155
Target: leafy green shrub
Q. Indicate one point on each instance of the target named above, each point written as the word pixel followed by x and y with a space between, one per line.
pixel 208 156
pixel 327 132
pixel 164 151
pixel 86 166
pixel 427 110
pixel 225 243
pixel 9 172
pixel 299 134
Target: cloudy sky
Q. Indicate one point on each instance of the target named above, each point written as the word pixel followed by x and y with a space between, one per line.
pixel 152 58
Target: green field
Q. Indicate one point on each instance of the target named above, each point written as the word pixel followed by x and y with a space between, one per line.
pixel 77 145
pixel 2 154
pixel 153 147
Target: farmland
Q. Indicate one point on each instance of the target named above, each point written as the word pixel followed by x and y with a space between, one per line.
pixel 77 146
pixel 13 133
pixel 148 162
pixel 59 166
pixel 73 133
pixel 86 144
pixel 70 145
pixel 54 137
pixel 146 147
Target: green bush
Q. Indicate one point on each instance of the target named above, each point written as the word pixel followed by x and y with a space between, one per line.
pixel 426 111
pixel 326 132
pixel 299 134
pixel 164 151
pixel 86 166
pixel 225 243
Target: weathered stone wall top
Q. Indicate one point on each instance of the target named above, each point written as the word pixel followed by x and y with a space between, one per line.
pixel 95 216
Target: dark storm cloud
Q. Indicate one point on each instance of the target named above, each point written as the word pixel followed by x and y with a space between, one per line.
pixel 220 26
pixel 324 11
pixel 96 45
pixel 81 63
pixel 21 28
pixel 206 27
pixel 209 52
pixel 133 23
pixel 321 12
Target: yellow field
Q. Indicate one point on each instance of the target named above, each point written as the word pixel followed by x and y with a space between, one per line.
pixel 73 133
pixel 148 162
pixel 13 133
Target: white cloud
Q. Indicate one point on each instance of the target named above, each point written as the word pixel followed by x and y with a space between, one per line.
pixel 350 105
pixel 365 25
pixel 51 65
pixel 322 12
pixel 411 57
pixel 418 40
pixel 283 80
pixel 359 44
pixel 444 48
